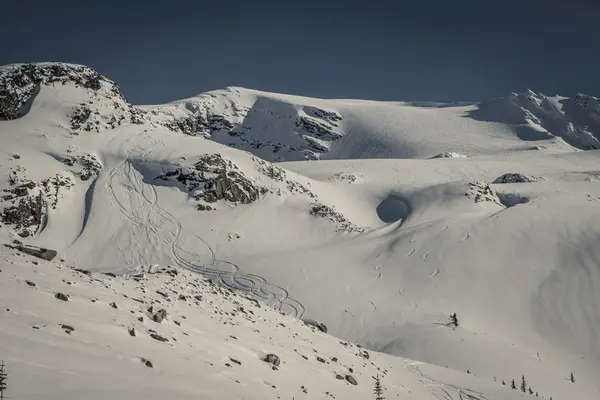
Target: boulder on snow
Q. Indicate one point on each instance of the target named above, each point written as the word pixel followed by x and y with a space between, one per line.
pixel 319 325
pixel 160 315
pixel 39 252
pixel 350 379
pixel 272 359
pixel 62 296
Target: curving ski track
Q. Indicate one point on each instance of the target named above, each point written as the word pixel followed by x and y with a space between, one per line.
pixel 226 273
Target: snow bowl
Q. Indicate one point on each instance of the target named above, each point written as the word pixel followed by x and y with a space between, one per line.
pixel 394 208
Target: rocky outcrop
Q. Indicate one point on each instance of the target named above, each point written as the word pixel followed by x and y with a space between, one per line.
pixel 342 224
pixel 27 212
pixel 321 130
pixel 85 166
pixel 106 108
pixel 25 204
pixel 39 252
pixel 515 178
pixel 19 82
pixel 212 179
pixel 481 192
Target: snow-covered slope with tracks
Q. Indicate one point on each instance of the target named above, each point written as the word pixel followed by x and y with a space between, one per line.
pixel 382 251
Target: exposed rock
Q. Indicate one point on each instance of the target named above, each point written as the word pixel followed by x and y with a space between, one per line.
pixel 62 296
pixel 67 328
pixel 212 179
pixel 147 363
pixel 20 82
pixel 272 359
pixel 235 361
pixel 321 130
pixel 515 178
pixel 324 211
pixel 131 331
pixel 160 315
pixel 39 252
pixel 156 336
pixel 113 305
pixel 319 325
pixel 30 283
pixel 449 154
pixel 481 192
pixel 351 380
pixel 85 165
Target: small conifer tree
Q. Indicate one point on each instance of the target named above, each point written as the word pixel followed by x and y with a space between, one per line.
pixel 378 390
pixel 3 377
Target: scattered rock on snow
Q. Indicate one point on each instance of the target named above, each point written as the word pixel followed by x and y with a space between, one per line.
pixel 62 296
pixel 272 359
pixel 147 363
pixel 156 336
pixel 30 283
pixel 351 380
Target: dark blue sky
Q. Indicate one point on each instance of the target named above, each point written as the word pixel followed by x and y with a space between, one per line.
pixel 382 50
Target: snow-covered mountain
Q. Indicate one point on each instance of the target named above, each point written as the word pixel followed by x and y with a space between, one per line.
pixel 414 212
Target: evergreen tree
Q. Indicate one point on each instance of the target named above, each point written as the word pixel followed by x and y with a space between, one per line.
pixel 3 377
pixel 454 320
pixel 572 377
pixel 513 385
pixel 530 390
pixel 378 390
pixel 503 383
pixel 523 384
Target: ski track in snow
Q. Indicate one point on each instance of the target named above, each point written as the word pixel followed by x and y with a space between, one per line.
pixel 465 237
pixel 440 390
pixel 435 272
pixel 425 256
pixel 230 277
pixel 410 253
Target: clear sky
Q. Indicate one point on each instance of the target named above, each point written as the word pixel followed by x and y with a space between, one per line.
pixel 442 50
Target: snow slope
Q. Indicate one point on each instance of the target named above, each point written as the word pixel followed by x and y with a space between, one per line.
pixel 382 251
